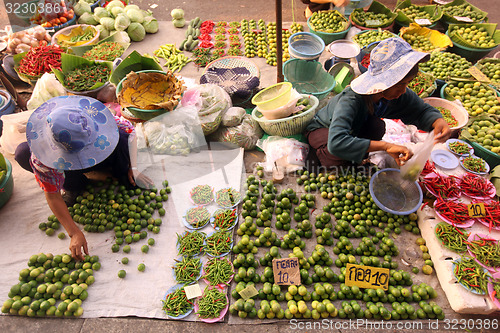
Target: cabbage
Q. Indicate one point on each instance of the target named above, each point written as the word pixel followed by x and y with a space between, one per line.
pixel 87 18
pixel 131 7
pixel 82 7
pixel 136 32
pixel 108 22
pixel 103 32
pixel 117 11
pixel 99 13
pixel 179 23
pixel 146 13
pixel 135 15
pixel 150 24
pixel 177 13
pixel 123 37
pixel 114 3
pixel 122 22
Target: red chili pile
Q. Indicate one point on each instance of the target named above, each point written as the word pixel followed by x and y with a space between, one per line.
pixel 454 211
pixel 475 186
pixel 443 186
pixel 492 216
pixel 41 59
pixel 365 62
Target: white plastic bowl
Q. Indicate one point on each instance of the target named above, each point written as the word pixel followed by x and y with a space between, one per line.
pixel 458 111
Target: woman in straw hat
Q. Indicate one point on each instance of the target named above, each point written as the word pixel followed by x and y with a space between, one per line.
pixel 349 127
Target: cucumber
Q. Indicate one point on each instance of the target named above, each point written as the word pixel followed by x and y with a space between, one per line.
pixel 197 21
pixel 189 31
pixel 197 32
pixel 193 45
pixel 192 23
pixel 187 44
pixel 181 47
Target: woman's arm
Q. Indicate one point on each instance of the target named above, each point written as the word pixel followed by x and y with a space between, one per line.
pixel 58 207
pixel 399 153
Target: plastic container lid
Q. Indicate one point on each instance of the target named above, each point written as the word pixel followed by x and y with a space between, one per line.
pixel 344 48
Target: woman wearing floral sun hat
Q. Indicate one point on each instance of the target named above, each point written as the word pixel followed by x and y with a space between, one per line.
pixel 68 136
pixel 349 127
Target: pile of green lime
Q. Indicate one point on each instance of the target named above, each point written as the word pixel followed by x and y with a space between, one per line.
pixel 329 21
pixel 464 10
pixel 370 19
pixel 416 12
pixel 486 133
pixel 474 36
pixel 445 64
pixel 371 36
pixel 490 68
pixel 52 285
pixel 419 42
pixel 476 97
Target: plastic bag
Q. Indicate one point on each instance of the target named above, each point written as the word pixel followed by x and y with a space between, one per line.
pixel 46 87
pixel 244 135
pixel 211 101
pixel 233 116
pixel 14 130
pixel 176 132
pixel 287 154
pixel 414 166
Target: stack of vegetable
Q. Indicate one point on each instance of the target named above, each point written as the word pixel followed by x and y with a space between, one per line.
pixel 39 60
pixel 118 17
pixel 53 13
pixel 22 41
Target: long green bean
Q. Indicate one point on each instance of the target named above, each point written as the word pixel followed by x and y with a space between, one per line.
pixel 211 304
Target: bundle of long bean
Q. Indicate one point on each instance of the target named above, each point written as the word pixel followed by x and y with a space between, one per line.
pixel 176 303
pixel 190 243
pixel 486 250
pixel 202 194
pixel 84 77
pixel 187 270
pixel 454 211
pixel 470 274
pixel 211 304
pixel 197 216
pixel 175 59
pixel 218 243
pixel 452 237
pixel 224 218
pixel 105 51
pixel 227 197
pixel 218 271
pixel 474 185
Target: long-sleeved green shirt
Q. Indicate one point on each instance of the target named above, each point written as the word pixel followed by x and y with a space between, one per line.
pixel 346 113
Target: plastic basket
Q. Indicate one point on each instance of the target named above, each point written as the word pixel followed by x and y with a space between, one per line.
pixel 393 194
pixel 232 62
pixel 273 97
pixel 287 126
pixel 308 77
pixel 329 37
pixel 471 54
pixel 305 45
pixel 490 157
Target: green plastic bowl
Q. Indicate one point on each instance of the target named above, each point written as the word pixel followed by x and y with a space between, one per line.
pixel 329 37
pixel 469 53
pixel 308 77
pixel 7 185
pixel 142 114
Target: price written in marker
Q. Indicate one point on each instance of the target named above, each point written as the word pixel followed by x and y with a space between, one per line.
pixel 248 292
pixel 367 277
pixel 193 291
pixel 423 21
pixel 476 209
pixel 373 23
pixel 286 271
pixel 477 74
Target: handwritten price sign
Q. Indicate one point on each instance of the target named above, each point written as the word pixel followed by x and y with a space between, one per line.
pixel 367 277
pixel 286 271
pixel 476 209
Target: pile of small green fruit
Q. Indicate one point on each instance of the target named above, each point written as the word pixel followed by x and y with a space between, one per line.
pixel 328 21
pixel 445 64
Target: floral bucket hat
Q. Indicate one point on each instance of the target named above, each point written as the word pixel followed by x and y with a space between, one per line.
pixel 390 61
pixel 72 132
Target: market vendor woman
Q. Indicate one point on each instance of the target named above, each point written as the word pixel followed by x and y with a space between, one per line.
pixel 350 126
pixel 67 137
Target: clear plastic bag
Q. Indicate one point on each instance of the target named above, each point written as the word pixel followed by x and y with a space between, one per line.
pixel 233 116
pixel 244 135
pixel 414 166
pixel 286 154
pixel 46 87
pixel 211 101
pixel 176 132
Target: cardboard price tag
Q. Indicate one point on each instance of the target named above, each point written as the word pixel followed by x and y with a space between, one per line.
pixel 477 74
pixel 423 21
pixel 286 271
pixel 193 291
pixel 476 209
pixel 248 292
pixel 367 277
pixel 463 19
pixel 373 23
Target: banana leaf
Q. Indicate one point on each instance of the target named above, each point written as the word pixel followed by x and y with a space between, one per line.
pixel 70 62
pixel 491 29
pixel 453 19
pixel 434 11
pixel 439 40
pixel 375 7
pixel 134 62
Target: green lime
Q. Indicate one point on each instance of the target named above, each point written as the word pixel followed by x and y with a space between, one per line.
pixel 61 235
pixel 126 249
pixel 151 242
pixel 121 274
pixel 141 267
pixel 145 248
pixel 124 260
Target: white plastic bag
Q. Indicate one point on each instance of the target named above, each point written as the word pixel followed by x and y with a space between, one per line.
pixel 414 166
pixel 244 135
pixel 46 87
pixel 177 132
pixel 14 130
pixel 233 116
pixel 287 154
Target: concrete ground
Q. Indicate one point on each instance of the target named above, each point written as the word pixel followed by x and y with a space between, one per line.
pixel 226 10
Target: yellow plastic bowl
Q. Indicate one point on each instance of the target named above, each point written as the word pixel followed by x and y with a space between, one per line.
pixel 273 97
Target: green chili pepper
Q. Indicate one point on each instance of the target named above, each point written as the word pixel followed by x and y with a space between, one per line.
pixel 187 270
pixel 211 304
pixel 176 303
pixel 202 194
pixel 218 271
pixel 218 243
pixel 190 243
pixel 452 237
pixel 470 274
